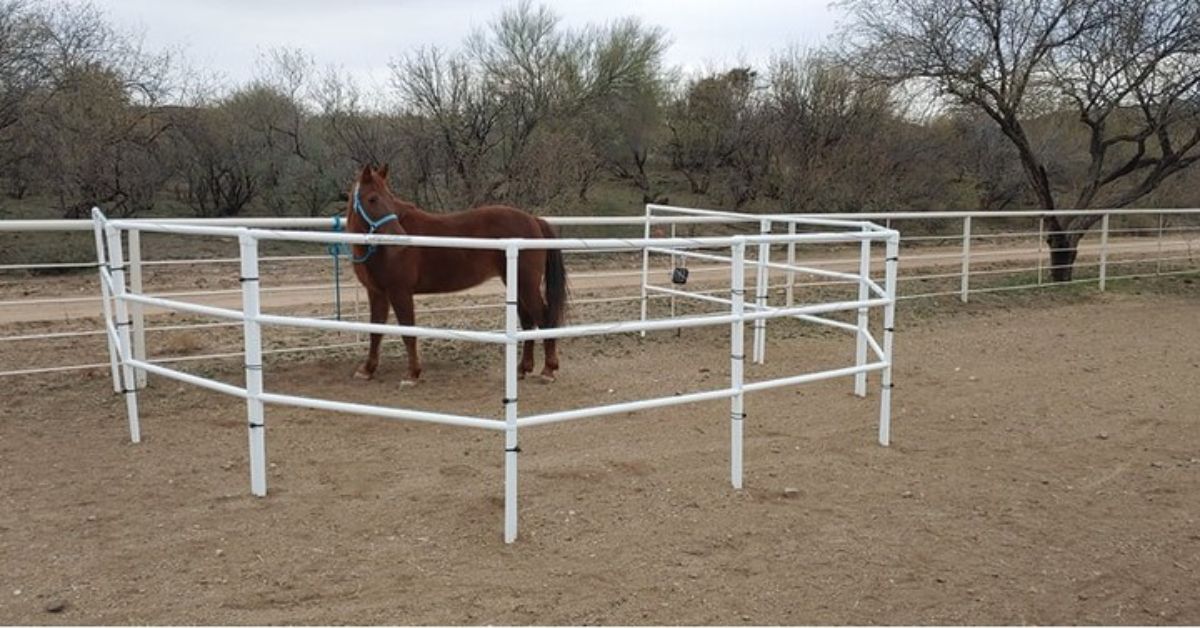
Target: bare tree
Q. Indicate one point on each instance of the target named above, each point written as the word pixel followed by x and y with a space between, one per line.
pixel 94 124
pixel 355 131
pixel 1128 69
pixel 225 149
pixel 829 129
pixel 709 122
pixel 302 173
pixel 524 82
pixel 460 103
pixel 626 131
pixel 21 71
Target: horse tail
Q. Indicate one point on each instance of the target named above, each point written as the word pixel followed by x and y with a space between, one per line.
pixel 556 280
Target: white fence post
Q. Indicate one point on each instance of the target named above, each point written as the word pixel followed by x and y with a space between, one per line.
pixel 252 342
pixel 139 318
pixel 762 275
pixel 737 358
pixel 511 447
pixel 965 290
pixel 790 297
pixel 891 266
pixel 1159 260
pixel 864 293
pixel 128 380
pixel 1041 240
pixel 106 296
pixel 1103 252
pixel 645 267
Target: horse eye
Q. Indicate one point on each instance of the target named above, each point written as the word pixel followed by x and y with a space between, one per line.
pixel 372 199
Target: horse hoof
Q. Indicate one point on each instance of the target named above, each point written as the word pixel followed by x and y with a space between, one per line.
pixel 404 383
pixel 361 374
pixel 547 378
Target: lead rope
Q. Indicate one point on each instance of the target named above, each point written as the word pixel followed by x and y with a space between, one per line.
pixel 335 251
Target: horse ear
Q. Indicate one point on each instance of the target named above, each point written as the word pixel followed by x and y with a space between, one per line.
pixel 383 172
pixel 365 175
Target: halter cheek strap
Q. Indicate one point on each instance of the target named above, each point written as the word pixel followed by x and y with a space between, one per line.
pixel 373 225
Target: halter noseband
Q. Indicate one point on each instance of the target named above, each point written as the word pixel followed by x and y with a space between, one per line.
pixel 373 224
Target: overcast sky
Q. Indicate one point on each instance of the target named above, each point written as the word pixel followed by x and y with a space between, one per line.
pixel 361 36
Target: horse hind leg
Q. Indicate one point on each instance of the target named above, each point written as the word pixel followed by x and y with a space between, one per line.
pixel 527 353
pixel 533 313
pixel 551 347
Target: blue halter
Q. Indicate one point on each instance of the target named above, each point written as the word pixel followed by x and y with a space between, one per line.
pixel 374 226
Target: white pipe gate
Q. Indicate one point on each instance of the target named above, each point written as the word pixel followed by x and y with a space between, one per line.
pixel 130 364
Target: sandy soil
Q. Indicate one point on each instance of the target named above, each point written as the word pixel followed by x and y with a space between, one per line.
pixel 1045 469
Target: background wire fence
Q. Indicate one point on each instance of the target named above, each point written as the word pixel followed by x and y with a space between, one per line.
pixel 50 302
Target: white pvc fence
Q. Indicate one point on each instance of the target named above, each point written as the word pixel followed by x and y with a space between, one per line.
pixel 118 299
pixel 968 253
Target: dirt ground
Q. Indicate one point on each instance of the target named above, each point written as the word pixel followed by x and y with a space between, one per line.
pixel 1045 468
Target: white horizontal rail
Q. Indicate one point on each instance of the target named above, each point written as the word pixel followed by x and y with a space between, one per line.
pixel 504 243
pixel 375 328
pixel 871 342
pixel 628 406
pixel 711 257
pixel 695 397
pixel 697 295
pixel 188 378
pixel 193 308
pixel 594 329
pixel 692 321
pixel 813 377
pixel 53 369
pixel 46 265
pixel 809 318
pixel 853 221
pixel 872 216
pixel 386 413
pixel 819 308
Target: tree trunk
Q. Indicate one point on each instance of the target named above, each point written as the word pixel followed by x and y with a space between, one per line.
pixel 1064 247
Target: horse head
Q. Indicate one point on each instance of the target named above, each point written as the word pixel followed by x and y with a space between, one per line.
pixel 373 209
pixel 372 206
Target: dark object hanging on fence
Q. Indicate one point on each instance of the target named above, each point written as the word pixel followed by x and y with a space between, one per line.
pixel 679 276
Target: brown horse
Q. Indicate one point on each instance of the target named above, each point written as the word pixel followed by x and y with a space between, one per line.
pixel 393 274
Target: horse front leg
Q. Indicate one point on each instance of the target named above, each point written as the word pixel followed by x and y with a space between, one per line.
pixel 402 303
pixel 379 312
